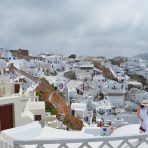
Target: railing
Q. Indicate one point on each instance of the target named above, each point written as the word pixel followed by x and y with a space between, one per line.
pixel 4 144
pixel 31 98
pixel 100 142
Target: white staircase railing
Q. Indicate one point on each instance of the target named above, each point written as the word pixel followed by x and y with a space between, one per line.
pixel 133 141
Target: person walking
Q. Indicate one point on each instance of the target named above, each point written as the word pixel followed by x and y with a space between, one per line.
pixel 142 114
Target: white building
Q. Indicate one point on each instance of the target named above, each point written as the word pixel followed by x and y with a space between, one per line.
pixel 99 81
pixel 10 112
pixel 57 81
pixel 15 108
pixel 6 54
pixel 79 110
pixel 113 87
pixel 137 66
pixel 85 71
pixel 56 62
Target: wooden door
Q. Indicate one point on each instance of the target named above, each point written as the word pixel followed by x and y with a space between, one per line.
pixel 17 88
pixel 6 117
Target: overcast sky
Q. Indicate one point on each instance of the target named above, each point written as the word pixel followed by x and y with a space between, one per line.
pixel 84 27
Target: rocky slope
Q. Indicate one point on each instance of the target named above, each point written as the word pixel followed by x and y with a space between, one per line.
pixel 106 72
pixel 56 104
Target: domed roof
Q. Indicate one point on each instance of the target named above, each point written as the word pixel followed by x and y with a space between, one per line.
pixel 132 129
pixel 3 64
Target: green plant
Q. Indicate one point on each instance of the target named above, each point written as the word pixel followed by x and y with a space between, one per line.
pixel 73 123
pixel 55 88
pixel 138 78
pixel 73 56
pixel 51 109
pixel 101 95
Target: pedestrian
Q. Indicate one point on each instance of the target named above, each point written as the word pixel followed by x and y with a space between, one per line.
pixel 142 114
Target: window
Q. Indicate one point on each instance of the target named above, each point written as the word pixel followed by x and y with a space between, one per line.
pixel 37 117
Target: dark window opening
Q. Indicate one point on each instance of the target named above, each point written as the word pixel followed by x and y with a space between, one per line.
pixel 37 117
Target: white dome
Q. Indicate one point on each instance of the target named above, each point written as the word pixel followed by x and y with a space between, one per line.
pixel 3 64
pixel 132 129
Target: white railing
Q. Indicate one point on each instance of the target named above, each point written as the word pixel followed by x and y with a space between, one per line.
pixel 4 144
pixel 133 141
pixel 31 98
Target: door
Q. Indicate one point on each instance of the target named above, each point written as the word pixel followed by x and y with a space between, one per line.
pixel 17 88
pixel 6 117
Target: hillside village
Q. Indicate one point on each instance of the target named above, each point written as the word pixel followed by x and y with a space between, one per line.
pixel 69 93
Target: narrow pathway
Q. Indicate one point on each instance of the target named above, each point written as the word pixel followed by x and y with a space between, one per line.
pixel 50 96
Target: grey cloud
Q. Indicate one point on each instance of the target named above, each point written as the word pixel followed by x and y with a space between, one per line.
pixel 90 27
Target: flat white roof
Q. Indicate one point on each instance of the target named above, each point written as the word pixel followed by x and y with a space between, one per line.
pixel 134 83
pixel 78 106
pixel 9 99
pixel 36 105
